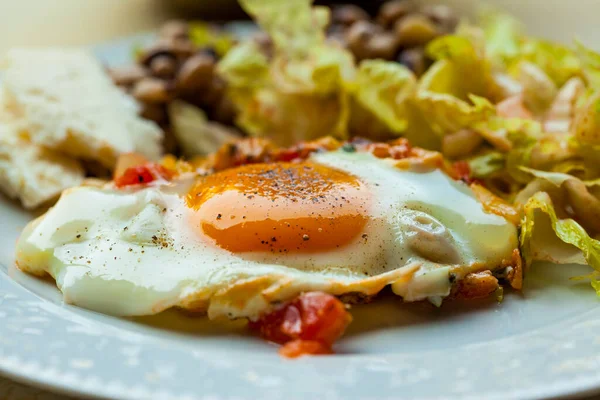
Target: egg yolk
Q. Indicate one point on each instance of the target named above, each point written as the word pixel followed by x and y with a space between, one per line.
pixel 281 207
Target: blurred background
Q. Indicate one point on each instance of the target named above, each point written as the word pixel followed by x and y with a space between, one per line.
pixel 65 22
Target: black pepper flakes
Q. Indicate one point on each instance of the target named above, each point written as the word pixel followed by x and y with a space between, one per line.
pixel 218 216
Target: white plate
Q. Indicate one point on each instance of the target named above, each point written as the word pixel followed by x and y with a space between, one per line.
pixel 544 343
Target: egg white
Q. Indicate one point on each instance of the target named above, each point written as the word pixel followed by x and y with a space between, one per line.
pixel 137 252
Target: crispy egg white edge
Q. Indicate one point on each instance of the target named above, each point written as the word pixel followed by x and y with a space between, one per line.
pixel 137 255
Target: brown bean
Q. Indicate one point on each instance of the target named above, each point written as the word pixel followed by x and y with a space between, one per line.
pixel 154 112
pixel 196 72
pixel 413 59
pixel 383 45
pixel 348 14
pixel 358 37
pixel 151 90
pixel 175 29
pixel 176 49
pixel 391 11
pixel 460 144
pixel 163 67
pixel 224 111
pixel 127 76
pixel 414 30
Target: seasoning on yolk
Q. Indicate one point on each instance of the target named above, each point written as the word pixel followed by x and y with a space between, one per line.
pixel 280 207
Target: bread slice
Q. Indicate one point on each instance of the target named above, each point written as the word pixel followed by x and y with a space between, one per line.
pixel 72 106
pixel 28 172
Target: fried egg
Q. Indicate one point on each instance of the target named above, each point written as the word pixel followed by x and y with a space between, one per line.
pixel 238 241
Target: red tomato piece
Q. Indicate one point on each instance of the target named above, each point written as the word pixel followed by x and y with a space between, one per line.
pixel 142 174
pixel 313 316
pixel 297 348
pixel 462 171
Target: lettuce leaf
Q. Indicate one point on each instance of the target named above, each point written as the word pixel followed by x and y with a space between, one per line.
pixel 383 88
pixel 558 62
pixel 382 105
pixel 538 240
pixel 205 35
pixel 487 164
pixel 196 135
pixel 538 89
pixel 447 100
pixel 301 92
pixel 502 34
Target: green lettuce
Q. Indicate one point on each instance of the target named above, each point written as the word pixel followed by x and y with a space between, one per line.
pixel 590 61
pixel 196 135
pixel 540 230
pixel 383 88
pixel 205 35
pixel 448 101
pixel 485 165
pixel 559 62
pixel 503 35
pixel 298 94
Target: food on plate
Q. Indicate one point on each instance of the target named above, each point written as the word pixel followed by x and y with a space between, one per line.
pixel 71 106
pixel 180 65
pixel 28 172
pixel 251 231
pixel 332 155
pixel 509 105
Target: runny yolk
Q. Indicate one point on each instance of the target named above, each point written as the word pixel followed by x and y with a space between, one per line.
pixel 281 208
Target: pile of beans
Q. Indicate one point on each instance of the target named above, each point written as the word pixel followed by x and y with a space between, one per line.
pixel 398 32
pixel 175 68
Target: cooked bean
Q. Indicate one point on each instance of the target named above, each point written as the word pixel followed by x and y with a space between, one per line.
pixel 383 45
pixel 196 72
pixel 164 47
pixel 414 30
pixel 348 14
pixel 163 66
pixel 391 11
pixel 461 143
pixel 127 76
pixel 154 112
pixel 358 37
pixel 585 206
pixel 224 111
pixel 414 59
pixel 151 90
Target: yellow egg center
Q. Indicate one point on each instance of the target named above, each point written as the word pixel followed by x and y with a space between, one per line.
pixel 282 207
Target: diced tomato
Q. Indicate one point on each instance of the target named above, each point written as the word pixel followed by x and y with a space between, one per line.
pixel 299 347
pixel 400 149
pixel 462 171
pixel 315 317
pixel 379 150
pixel 287 155
pixel 142 174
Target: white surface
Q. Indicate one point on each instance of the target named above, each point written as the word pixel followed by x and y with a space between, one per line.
pixel 544 343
